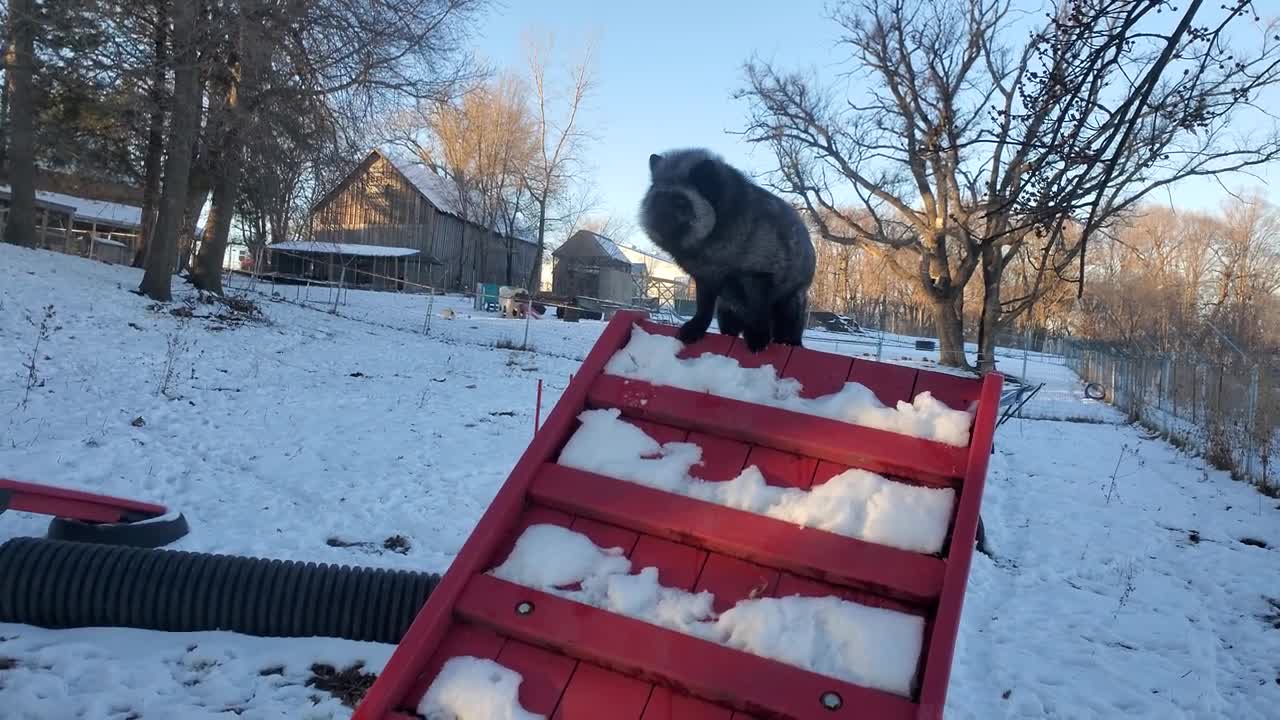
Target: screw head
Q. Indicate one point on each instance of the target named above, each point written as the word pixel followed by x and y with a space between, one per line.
pixel 831 700
pixel 524 608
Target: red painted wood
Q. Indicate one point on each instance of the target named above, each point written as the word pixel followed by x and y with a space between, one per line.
pixel 957 392
pixel 722 458
pixel 783 469
pixel 946 622
pixel 712 672
pixel 819 373
pixel 657 328
pixel 816 437
pixel 544 675
pixel 890 383
pixel 713 343
pixel 678 565
pixel 791 584
pixel 775 355
pixel 595 693
pixel 614 659
pixel 432 622
pixel 661 433
pixel 462 639
pixel 667 705
pixel 61 502
pixel 606 536
pixel 732 580
pixel 533 515
pixel 766 541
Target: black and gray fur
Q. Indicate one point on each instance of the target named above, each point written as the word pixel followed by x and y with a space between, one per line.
pixel 743 246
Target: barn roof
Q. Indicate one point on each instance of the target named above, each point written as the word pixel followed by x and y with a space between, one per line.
pixel 585 243
pixel 107 213
pixel 332 248
pixel 440 191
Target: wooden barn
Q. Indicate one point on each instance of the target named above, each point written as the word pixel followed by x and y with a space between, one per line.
pixel 400 222
pixel 590 265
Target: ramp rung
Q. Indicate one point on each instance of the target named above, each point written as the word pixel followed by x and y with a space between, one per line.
pixel 806 552
pixel 924 461
pixel 712 672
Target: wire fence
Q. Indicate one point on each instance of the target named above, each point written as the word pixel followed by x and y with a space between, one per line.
pixel 1226 408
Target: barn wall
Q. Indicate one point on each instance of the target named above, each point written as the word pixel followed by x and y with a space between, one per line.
pixel 376 205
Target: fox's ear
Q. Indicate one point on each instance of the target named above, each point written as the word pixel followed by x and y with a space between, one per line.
pixel 705 177
pixel 653 162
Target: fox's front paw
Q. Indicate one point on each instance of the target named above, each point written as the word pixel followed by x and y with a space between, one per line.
pixel 757 340
pixel 691 332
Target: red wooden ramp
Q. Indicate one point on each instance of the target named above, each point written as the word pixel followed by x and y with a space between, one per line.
pixel 582 663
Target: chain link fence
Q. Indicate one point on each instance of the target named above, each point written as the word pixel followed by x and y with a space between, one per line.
pixel 1226 408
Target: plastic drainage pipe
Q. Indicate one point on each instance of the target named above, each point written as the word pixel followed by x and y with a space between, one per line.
pixel 59 584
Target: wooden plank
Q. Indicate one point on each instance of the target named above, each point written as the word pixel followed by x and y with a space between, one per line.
pixel 433 620
pixel 946 621
pixel 534 515
pixel 775 355
pixel 605 535
pixel 890 383
pixel 661 433
pixel 664 704
pixel 544 675
pixel 678 565
pixel 732 580
pixel 709 671
pixel 819 373
pixel 722 458
pixel 953 390
pixel 773 543
pixel 782 469
pixel 595 693
pixel 809 435
pixel 463 639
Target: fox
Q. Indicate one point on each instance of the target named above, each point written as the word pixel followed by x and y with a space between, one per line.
pixel 748 251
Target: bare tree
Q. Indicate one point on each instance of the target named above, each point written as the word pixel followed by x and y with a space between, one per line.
pixel 561 141
pixel 19 59
pixel 155 128
pixel 1170 281
pixel 483 145
pixel 157 279
pixel 967 151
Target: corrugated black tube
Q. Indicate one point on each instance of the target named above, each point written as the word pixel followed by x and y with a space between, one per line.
pixel 60 584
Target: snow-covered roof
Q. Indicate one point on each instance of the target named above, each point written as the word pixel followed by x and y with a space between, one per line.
pixel 331 248
pixel 607 247
pixel 108 213
pixel 439 190
pixel 102 240
pixel 442 192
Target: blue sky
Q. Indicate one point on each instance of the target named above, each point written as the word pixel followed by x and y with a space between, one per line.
pixel 667 70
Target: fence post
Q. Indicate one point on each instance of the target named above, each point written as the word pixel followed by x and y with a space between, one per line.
pixel 1026 348
pixel 1173 382
pixel 1254 379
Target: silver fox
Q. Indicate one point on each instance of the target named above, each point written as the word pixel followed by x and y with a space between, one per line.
pixel 744 247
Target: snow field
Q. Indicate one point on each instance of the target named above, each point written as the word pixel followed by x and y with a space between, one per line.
pixel 867 646
pixel 855 503
pixel 654 359
pixel 1120 586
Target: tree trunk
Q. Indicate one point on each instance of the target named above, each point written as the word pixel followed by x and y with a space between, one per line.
pixel 158 278
pixel 535 275
pixel 20 229
pixel 949 323
pixel 988 327
pixel 199 186
pixel 206 272
pixel 155 135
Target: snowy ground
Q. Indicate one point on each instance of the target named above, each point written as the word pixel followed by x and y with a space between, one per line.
pixel 1120 588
